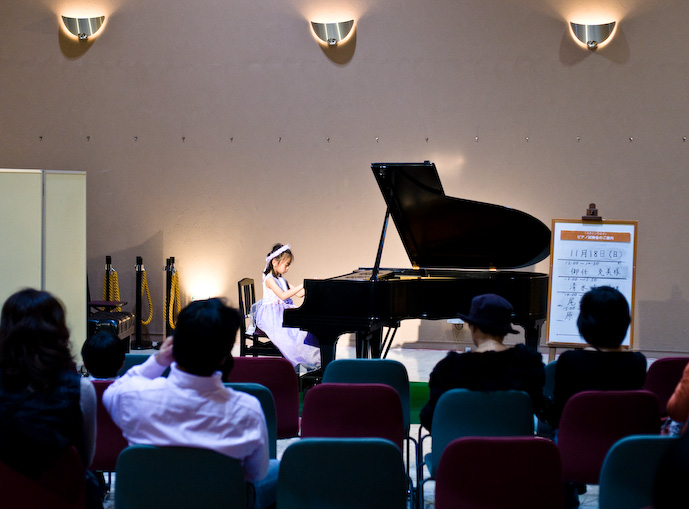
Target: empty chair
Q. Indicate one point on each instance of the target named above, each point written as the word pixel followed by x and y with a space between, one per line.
pixel 109 439
pixel 342 473
pixel 353 410
pixel 178 477
pixel 627 478
pixel 499 473
pixel 662 377
pixel 461 413
pixel 385 371
pixel 252 341
pixel 278 375
pixel 592 421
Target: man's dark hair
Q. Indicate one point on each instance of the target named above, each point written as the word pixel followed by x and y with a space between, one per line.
pixel 603 317
pixel 103 354
pixel 204 336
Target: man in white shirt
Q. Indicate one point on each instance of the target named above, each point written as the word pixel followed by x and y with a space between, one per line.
pixel 191 407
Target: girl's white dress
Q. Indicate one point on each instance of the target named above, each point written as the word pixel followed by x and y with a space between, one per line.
pixel 295 344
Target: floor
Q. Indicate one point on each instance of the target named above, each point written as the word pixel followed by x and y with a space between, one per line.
pixel 419 364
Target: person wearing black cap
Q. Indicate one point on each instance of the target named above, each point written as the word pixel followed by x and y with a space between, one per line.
pixel 491 365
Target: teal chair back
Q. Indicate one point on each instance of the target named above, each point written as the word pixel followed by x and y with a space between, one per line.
pixel 265 397
pixel 342 473
pixel 178 478
pixel 132 359
pixel 382 371
pixel 627 477
pixel 463 413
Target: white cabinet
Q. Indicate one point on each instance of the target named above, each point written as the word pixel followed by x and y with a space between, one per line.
pixel 43 239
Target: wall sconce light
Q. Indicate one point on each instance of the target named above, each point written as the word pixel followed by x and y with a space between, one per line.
pixel 83 28
pixel 592 35
pixel 332 33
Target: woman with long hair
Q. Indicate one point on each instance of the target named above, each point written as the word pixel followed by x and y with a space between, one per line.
pixel 45 405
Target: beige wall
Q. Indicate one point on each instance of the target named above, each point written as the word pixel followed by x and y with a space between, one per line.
pixel 211 129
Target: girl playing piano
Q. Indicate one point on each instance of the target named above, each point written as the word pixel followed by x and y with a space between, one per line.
pixel 297 346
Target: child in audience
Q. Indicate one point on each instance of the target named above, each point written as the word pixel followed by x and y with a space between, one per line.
pixel 297 346
pixel 103 355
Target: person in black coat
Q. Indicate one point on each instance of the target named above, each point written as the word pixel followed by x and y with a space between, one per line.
pixel 491 365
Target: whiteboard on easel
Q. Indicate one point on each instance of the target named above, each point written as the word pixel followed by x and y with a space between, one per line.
pixel 585 254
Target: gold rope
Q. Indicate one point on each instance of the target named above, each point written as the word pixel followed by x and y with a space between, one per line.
pixel 114 286
pixel 174 293
pixel 144 289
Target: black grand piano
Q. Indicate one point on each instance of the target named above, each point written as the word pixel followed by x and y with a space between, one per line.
pixel 441 235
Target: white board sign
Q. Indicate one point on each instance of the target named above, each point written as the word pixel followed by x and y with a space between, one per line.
pixel 585 254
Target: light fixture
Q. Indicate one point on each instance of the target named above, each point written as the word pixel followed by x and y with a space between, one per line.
pixel 332 33
pixel 593 35
pixel 83 28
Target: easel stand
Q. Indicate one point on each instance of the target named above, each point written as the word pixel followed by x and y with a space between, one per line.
pixel 587 253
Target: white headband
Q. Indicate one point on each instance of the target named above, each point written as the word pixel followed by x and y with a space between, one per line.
pixel 275 254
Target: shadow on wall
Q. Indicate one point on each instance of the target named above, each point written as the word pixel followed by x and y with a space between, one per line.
pixel 343 52
pixel 571 53
pixel 660 326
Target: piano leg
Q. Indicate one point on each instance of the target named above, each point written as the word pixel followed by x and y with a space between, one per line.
pixel 369 342
pixel 532 333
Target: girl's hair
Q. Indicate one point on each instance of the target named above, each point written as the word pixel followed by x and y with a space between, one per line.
pixel 34 341
pixel 603 317
pixel 269 263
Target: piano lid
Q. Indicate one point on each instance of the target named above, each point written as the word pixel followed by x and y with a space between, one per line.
pixel 441 231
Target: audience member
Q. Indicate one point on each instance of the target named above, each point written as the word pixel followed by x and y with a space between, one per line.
pixel 491 365
pixel 606 365
pixel 672 474
pixel 103 355
pixel 45 406
pixel 191 407
pixel 678 404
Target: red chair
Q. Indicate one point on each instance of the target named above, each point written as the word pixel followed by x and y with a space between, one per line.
pixel 525 472
pixel 353 410
pixel 663 376
pixel 278 375
pixel 109 439
pixel 591 423
pixel 61 486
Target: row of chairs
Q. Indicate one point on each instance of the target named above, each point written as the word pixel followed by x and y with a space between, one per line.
pixel 475 405
pixel 479 432
pixel 314 473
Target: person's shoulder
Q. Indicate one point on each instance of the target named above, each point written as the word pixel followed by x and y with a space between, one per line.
pixel 523 353
pixel 244 399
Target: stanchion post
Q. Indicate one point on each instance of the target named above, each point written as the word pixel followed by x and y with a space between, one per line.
pixel 137 307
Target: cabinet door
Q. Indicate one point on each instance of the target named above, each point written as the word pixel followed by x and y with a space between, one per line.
pixel 65 247
pixel 21 212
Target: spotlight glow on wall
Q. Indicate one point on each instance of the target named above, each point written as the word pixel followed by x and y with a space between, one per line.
pixel 83 28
